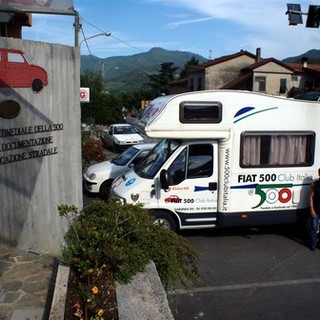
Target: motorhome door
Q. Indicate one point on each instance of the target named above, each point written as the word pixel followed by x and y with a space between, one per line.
pixel 193 181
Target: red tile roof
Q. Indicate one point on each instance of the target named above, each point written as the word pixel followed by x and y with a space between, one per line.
pixel 222 59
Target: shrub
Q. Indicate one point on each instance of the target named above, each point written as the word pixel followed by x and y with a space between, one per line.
pixel 124 238
pixel 85 135
pixel 92 150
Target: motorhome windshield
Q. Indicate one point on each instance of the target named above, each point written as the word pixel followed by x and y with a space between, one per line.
pixel 123 158
pixel 159 155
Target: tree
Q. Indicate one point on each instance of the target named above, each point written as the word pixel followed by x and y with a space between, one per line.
pixel 105 108
pixel 159 83
pixel 132 100
pixel 189 64
pixel 92 80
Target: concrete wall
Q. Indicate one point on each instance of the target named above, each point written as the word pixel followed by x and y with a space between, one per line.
pixel 273 73
pixel 40 149
pixel 220 74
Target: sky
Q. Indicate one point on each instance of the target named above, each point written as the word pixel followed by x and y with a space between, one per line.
pixel 210 28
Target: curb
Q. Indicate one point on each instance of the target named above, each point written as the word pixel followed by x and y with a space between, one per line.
pixel 142 299
pixel 60 293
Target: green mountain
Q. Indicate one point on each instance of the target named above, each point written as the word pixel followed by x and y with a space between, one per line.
pixel 313 56
pixel 130 73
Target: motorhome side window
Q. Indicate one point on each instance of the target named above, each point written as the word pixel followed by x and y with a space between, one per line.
pixel 270 149
pixel 195 161
pixel 200 112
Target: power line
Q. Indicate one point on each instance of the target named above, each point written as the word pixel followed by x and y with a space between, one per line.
pixel 87 45
pixel 99 29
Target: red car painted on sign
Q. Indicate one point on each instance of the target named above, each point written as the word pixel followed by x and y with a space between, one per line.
pixel 173 199
pixel 17 72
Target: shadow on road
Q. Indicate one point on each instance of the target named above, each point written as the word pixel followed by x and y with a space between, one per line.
pixel 293 232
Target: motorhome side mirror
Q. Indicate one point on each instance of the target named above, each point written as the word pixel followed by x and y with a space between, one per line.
pixel 164 179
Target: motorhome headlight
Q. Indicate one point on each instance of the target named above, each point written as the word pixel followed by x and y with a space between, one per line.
pixel 92 176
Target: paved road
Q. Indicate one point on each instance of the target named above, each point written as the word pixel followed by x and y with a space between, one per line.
pixel 260 273
pixel 250 274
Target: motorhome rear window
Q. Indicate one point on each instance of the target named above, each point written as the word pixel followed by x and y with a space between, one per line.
pixel 200 112
pixel 277 149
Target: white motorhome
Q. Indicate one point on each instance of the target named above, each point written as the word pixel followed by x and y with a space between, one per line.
pixel 226 158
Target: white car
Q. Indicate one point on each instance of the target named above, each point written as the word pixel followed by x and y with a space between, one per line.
pixel 98 177
pixel 120 136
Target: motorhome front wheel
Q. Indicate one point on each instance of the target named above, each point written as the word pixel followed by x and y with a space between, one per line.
pixel 164 219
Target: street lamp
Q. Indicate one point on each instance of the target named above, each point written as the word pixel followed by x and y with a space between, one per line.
pixel 107 34
pixel 77 26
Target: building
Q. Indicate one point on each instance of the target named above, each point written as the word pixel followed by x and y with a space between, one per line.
pixel 246 71
pixel 266 75
pixel 11 23
pixel 218 72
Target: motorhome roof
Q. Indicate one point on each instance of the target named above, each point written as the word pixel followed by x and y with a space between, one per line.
pixel 171 116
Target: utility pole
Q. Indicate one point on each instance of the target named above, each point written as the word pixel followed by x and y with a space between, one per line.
pixel 102 70
pixel 77 27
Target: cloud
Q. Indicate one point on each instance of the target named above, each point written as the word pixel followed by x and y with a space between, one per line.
pixel 252 13
pixel 260 23
pixel 48 28
pixel 201 26
pixel 173 25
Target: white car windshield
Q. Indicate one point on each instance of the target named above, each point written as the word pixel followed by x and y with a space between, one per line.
pixel 123 158
pixel 154 161
pixel 123 130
